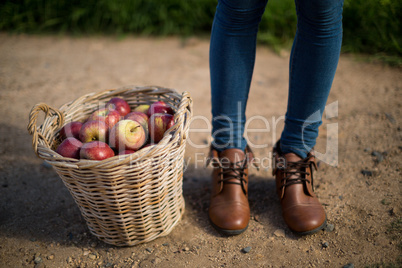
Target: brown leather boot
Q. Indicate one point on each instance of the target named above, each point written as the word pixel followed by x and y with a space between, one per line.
pixel 301 209
pixel 229 210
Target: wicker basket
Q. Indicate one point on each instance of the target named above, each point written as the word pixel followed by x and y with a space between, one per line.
pixel 128 199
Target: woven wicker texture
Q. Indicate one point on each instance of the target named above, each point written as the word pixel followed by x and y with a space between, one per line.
pixel 125 199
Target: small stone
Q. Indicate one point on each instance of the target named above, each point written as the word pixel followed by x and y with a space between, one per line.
pixel 330 227
pixel 70 236
pixel 86 252
pixel 325 244
pixel 46 165
pixel 186 249
pixel 69 260
pixel 92 256
pixel 379 156
pixel 390 118
pixel 246 249
pixel 165 244
pixel 37 260
pixel 349 265
pixel 367 173
pixel 279 233
pixel 375 153
pixel 392 212
pixel 50 257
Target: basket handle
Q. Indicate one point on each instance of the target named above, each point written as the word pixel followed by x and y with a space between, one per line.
pixel 33 118
pixel 186 103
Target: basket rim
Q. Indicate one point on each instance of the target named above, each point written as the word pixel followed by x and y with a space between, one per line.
pixel 45 152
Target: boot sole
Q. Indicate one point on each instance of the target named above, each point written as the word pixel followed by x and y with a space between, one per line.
pixel 322 226
pixel 228 232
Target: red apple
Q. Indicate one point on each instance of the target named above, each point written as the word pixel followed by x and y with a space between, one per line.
pixel 70 147
pixel 71 129
pixel 96 150
pixel 126 152
pixel 158 124
pixel 95 130
pixel 111 117
pixel 142 108
pixel 118 104
pixel 127 135
pixel 159 107
pixel 141 118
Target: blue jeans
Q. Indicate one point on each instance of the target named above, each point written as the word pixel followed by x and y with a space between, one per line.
pixel 313 62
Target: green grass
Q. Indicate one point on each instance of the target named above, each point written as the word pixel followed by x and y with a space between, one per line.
pixel 372 27
pixel 278 24
pixel 107 16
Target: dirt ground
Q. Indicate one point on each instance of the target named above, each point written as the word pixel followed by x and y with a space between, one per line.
pixel 359 185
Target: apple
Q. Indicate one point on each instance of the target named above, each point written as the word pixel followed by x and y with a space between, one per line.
pixel 95 130
pixel 158 124
pixel 141 118
pixel 127 135
pixel 126 152
pixel 111 117
pixel 159 107
pixel 142 108
pixel 119 105
pixel 70 147
pixel 71 129
pixel 96 150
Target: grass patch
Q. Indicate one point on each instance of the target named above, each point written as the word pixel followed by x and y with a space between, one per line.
pixel 371 27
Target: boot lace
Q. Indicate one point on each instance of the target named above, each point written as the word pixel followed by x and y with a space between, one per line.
pixel 233 173
pixel 299 169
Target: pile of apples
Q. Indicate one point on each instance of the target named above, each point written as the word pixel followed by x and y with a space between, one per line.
pixel 115 129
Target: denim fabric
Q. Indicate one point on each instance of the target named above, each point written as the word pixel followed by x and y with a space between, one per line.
pixel 313 62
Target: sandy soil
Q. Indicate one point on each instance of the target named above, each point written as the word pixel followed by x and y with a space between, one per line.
pixel 41 226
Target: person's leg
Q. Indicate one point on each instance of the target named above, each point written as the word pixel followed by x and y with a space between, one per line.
pixel 232 56
pixel 313 62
